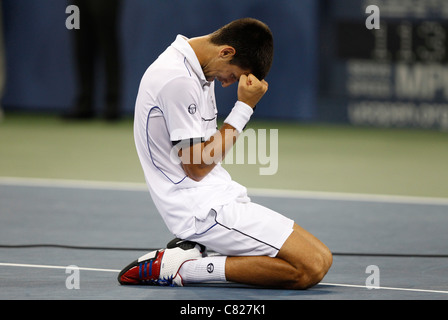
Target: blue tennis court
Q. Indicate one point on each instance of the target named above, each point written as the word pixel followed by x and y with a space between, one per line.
pixel 74 237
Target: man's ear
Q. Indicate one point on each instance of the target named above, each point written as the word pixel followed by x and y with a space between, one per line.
pixel 227 52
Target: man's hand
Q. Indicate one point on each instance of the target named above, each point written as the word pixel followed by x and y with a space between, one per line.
pixel 212 151
pixel 251 90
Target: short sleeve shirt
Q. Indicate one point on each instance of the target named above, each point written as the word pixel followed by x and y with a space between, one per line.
pixel 176 103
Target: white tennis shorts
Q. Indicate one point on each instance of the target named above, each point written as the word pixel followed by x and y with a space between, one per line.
pixel 243 229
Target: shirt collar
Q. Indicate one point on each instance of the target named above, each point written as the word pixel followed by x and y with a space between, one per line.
pixel 181 44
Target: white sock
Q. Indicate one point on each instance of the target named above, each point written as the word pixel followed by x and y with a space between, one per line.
pixel 204 269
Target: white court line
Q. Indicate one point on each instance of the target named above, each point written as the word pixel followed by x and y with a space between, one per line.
pixel 294 194
pixel 382 288
pixel 117 271
pixel 362 197
pixel 77 184
pixel 41 266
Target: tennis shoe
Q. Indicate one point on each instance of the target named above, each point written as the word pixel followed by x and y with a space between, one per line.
pixel 161 267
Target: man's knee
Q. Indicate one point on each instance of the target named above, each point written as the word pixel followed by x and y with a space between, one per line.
pixel 313 271
pixel 310 258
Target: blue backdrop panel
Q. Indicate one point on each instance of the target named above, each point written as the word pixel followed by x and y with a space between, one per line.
pixel 394 76
pixel 40 62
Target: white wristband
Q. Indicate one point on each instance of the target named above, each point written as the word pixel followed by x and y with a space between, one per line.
pixel 239 116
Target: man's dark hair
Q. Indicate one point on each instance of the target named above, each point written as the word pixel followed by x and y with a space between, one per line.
pixel 253 43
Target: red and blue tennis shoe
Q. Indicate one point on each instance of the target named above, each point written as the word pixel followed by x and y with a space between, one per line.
pixel 161 267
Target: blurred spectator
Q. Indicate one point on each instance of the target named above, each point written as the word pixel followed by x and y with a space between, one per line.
pixel 97 39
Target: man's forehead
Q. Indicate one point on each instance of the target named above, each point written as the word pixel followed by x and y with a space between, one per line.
pixel 240 70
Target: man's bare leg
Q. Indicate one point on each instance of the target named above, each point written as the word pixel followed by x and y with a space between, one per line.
pixel 301 263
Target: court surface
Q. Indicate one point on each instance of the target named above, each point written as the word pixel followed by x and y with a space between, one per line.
pixel 48 225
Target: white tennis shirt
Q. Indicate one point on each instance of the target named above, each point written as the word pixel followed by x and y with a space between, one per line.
pixel 175 102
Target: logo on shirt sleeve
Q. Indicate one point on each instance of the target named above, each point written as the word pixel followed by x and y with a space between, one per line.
pixel 192 108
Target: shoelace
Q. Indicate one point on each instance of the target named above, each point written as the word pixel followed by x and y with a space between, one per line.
pixel 165 281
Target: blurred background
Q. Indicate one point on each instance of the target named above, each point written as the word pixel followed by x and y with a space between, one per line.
pixel 358 110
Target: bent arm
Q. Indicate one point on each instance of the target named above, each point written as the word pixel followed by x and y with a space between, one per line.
pixel 200 158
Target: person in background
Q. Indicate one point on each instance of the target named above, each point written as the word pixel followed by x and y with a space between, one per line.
pixel 97 37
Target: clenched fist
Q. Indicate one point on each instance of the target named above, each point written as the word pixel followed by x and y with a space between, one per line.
pixel 251 90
